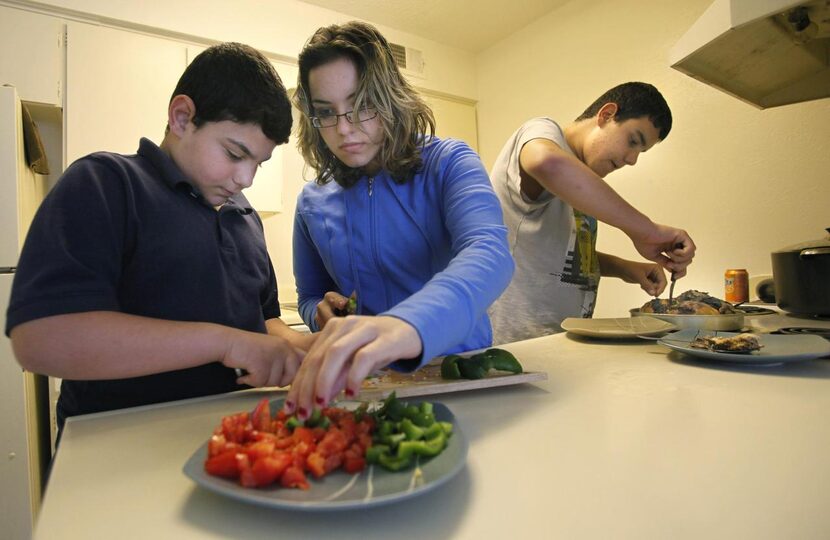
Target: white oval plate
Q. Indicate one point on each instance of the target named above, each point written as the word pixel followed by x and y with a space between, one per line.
pixel 776 349
pixel 623 327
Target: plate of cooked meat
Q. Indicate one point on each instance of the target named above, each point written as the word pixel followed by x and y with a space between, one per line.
pixel 698 310
pixel 744 348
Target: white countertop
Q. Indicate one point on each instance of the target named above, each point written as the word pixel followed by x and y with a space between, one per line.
pixel 624 440
pixel 290 316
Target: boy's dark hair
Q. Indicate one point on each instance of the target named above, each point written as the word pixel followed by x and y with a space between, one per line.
pixel 232 81
pixel 635 100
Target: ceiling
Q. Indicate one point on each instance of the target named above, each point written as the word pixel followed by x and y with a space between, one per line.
pixel 471 25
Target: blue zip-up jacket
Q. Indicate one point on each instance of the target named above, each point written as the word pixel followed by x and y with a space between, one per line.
pixel 432 252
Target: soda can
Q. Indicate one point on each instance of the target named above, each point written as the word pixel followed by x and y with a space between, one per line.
pixel 736 285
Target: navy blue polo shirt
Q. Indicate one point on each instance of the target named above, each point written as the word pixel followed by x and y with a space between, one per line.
pixel 131 234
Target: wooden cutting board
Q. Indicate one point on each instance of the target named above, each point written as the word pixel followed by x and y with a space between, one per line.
pixel 427 381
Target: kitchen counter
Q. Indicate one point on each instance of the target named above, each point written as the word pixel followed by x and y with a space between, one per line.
pixel 625 439
pixel 290 315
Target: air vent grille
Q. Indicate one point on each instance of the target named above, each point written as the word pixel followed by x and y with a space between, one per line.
pixel 399 54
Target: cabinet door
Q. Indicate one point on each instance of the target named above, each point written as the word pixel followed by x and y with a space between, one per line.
pixel 266 193
pixel 31 56
pixel 454 118
pixel 118 88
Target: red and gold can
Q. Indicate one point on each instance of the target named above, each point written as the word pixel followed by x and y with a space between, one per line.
pixel 736 285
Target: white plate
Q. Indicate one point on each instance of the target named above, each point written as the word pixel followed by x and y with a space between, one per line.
pixel 340 490
pixel 776 349
pixel 721 321
pixel 623 327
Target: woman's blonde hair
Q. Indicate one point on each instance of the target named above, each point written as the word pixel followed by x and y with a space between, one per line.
pixel 404 116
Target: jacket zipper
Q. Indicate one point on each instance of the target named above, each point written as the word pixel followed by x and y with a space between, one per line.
pixel 374 239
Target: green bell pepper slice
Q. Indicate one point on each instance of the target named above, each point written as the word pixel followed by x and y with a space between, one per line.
pixel 449 367
pixel 428 448
pixel 502 360
pixel 433 431
pixel 393 440
pixel 394 463
pixel 392 409
pixel 472 368
pixel 412 432
pixel 374 452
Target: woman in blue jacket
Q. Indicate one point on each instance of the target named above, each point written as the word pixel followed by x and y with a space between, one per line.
pixel 406 221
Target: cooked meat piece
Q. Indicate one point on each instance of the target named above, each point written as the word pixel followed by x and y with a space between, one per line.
pixel 691 302
pixel 693 295
pixel 698 296
pixel 655 306
pixel 741 343
pixel 688 307
pixel 691 307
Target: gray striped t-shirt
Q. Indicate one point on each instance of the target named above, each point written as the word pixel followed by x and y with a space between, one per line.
pixel 557 271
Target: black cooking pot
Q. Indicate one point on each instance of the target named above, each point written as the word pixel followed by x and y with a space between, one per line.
pixel 802 277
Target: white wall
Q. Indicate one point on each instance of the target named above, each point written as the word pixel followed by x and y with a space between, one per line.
pixel 743 182
pixel 279 28
pixel 276 26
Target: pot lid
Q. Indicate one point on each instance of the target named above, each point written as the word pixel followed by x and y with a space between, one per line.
pixel 819 243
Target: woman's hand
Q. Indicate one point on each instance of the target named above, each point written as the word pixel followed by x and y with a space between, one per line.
pixel 345 353
pixel 332 305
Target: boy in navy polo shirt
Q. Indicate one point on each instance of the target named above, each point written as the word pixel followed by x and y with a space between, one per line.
pixel 145 278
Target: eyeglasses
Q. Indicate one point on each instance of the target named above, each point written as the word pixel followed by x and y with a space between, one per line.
pixel 329 120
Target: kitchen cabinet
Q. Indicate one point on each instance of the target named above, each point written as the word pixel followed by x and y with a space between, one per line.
pixel 32 57
pixel 266 193
pixel 119 84
pixel 455 117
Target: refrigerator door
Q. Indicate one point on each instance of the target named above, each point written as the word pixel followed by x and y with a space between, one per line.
pixel 24 411
pixel 21 493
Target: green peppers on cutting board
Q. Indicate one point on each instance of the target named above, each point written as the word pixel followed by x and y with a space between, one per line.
pixel 478 365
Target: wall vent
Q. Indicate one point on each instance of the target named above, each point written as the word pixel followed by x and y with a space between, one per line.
pixel 409 60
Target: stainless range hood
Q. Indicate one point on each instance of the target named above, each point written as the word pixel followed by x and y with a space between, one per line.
pixel 764 52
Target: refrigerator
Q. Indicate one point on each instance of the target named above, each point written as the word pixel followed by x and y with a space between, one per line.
pixel 25 420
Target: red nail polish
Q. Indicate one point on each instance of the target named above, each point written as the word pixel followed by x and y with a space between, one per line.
pixel 302 412
pixel 349 392
pixel 319 400
pixel 289 405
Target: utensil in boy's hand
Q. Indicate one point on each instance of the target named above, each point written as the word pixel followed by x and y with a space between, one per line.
pixel 678 245
pixel 671 286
